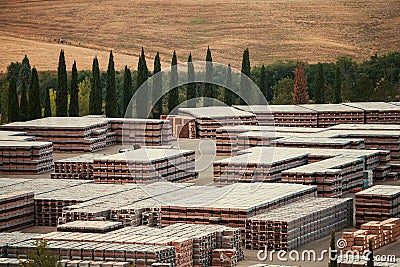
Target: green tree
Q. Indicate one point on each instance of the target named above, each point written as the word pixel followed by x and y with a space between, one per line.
pixel 337 86
pixel 264 85
pixel 35 109
pixel 41 256
pixel 191 93
pixel 300 93
pixel 245 75
pixel 208 91
pixel 95 98
pixel 319 85
pixel 4 100
pixel 142 95
pixel 23 111
pixel 173 94
pixel 333 256
pixel 228 94
pixel 283 92
pixel 127 89
pixel 13 106
pixel 53 97
pixel 62 90
pixel 84 95
pixel 111 100
pixel 47 104
pixel 370 262
pixel 13 70
pixel 157 87
pixel 74 93
pixel 24 73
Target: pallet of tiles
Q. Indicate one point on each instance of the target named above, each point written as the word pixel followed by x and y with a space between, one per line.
pixel 361 261
pixel 332 143
pixel 145 166
pixel 381 234
pixel 15 136
pixel 87 263
pixel 298 223
pixel 378 112
pixel 182 126
pixel 144 132
pixel 379 202
pixel 333 177
pixel 11 238
pixel 208 119
pixel 257 167
pixel 68 134
pixel 139 255
pixel 89 226
pixel 333 114
pixel 16 210
pixel 26 157
pixel 79 167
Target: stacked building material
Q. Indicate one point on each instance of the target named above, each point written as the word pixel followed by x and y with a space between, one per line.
pixel 298 223
pixel 283 115
pixel 68 134
pixel 378 112
pixel 379 202
pixel 144 132
pixel 257 167
pixel 208 119
pixel 332 143
pixel 89 226
pixel 12 237
pixel 17 210
pixel 139 255
pixel 332 114
pixel 145 166
pixel 15 136
pixel 381 233
pixel 361 261
pixel 25 157
pixel 87 263
pixel 333 177
pixel 79 167
pixel 182 126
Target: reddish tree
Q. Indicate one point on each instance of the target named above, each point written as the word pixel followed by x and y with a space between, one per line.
pixel 300 93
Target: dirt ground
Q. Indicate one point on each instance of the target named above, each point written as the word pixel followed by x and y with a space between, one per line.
pixel 309 30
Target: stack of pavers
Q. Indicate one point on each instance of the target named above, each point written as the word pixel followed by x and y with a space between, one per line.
pixel 182 126
pixel 208 119
pixel 145 166
pixel 298 223
pixel 11 238
pixel 15 136
pixel 17 210
pixel 333 177
pixel 68 134
pixel 379 202
pixel 89 226
pixel 381 233
pixel 79 167
pixel 378 112
pixel 362 261
pixel 25 157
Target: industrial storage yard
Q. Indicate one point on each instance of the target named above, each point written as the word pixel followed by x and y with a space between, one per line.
pixel 115 192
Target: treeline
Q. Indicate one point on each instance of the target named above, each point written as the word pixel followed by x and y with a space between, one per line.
pixel 26 94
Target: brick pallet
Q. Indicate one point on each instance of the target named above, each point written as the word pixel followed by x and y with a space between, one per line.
pixel 333 177
pixel 145 166
pixel 378 112
pixel 381 233
pixel 16 210
pixel 182 126
pixel 79 167
pixel 25 157
pixel 298 223
pixel 208 119
pixel 353 261
pixel 89 226
pixel 15 136
pixel 379 202
pixel 332 143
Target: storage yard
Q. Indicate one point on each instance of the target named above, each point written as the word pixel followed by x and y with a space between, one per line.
pixel 112 192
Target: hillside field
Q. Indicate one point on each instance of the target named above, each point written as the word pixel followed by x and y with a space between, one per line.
pixel 309 30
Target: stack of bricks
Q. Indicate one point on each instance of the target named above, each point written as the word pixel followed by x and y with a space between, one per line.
pixel 298 223
pixel 381 233
pixel 25 157
pixel 89 226
pixel 378 112
pixel 379 202
pixel 79 167
pixel 182 126
pixel 17 210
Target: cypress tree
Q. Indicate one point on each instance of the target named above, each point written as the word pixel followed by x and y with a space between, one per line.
pixel 264 85
pixel 95 98
pixel 191 92
pixel 35 109
pixel 13 106
pixel 128 90
pixel 62 90
pixel 23 111
pixel 173 83
pixel 157 87
pixel 319 85
pixel 142 95
pixel 111 99
pixel 370 262
pixel 47 105
pixel 24 73
pixel 74 93
pixel 337 87
pixel 245 75
pixel 208 90
pixel 300 93
pixel 228 94
pixel 333 256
